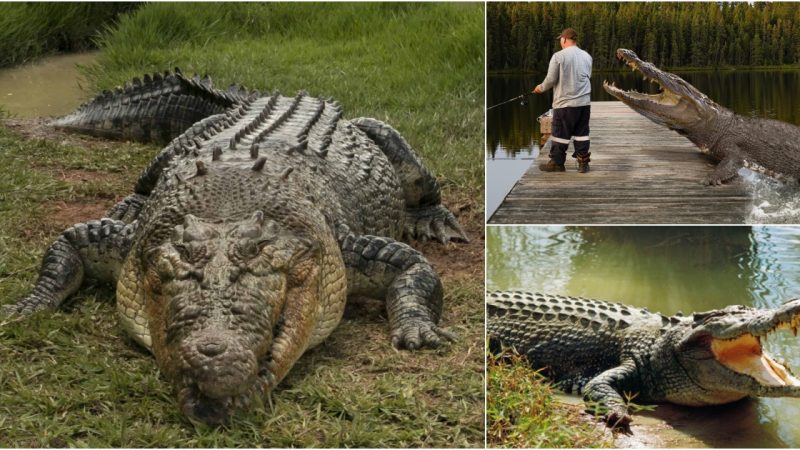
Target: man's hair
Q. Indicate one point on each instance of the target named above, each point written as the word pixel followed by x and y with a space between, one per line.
pixel 569 33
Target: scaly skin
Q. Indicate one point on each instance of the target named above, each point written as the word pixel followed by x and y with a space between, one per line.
pixel 609 351
pixel 764 145
pixel 245 235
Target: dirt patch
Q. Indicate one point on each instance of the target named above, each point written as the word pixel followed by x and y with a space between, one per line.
pixel 37 128
pixel 459 260
pixel 85 176
pixel 66 214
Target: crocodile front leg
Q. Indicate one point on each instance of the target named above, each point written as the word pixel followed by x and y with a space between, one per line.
pixel 426 218
pixel 379 267
pixel 95 249
pixel 603 392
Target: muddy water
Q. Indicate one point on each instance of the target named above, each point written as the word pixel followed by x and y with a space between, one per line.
pixel 669 269
pixel 47 87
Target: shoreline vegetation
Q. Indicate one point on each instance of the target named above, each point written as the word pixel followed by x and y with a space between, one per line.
pixel 31 30
pixel 522 411
pixel 74 379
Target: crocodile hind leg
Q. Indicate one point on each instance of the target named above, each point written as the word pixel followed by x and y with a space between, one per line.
pixel 380 267
pixel 425 216
pixel 94 249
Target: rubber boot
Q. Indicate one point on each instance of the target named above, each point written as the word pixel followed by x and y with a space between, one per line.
pixel 583 163
pixel 552 166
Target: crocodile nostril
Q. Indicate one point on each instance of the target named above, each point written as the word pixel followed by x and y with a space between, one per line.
pixel 212 348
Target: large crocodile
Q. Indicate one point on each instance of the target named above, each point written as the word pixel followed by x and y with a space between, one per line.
pixel 246 233
pixel 768 146
pixel 607 351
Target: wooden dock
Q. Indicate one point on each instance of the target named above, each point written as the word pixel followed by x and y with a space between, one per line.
pixel 641 173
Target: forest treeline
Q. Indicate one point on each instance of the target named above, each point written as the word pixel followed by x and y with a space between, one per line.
pixel 521 36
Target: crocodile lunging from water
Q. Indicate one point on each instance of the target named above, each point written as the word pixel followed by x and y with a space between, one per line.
pixel 606 351
pixel 246 233
pixel 764 145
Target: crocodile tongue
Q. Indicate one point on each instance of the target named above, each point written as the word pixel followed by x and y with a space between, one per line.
pixel 745 355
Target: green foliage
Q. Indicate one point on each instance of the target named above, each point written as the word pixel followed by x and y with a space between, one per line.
pixel 520 36
pixel 521 410
pixel 418 67
pixel 28 30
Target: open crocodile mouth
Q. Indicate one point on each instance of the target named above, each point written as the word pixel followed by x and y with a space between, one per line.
pixel 664 97
pixel 745 355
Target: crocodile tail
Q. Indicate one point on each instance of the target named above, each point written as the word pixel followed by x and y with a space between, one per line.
pixel 156 109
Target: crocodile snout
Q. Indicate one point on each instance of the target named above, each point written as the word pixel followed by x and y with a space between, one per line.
pixel 218 364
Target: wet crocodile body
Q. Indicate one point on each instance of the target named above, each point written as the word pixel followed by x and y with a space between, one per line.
pixel 610 352
pixel 245 235
pixel 767 146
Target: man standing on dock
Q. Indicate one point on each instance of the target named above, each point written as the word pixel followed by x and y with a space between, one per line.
pixel 570 72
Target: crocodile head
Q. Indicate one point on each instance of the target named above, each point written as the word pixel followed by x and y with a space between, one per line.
pixel 221 296
pixel 722 353
pixel 678 105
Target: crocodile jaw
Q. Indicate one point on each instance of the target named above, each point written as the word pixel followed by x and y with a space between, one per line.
pixel 678 105
pixel 745 355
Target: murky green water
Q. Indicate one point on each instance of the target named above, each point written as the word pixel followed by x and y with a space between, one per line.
pixel 47 87
pixel 670 269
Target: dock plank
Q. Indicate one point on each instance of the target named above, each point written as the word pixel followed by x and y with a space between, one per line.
pixel 641 173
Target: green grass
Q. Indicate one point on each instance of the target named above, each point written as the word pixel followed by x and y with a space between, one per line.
pixel 73 378
pixel 522 412
pixel 29 30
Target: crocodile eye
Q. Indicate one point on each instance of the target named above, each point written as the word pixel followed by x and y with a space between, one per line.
pixel 250 249
pixel 192 254
pixel 182 250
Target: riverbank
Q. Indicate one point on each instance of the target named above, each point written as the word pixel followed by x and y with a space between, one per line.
pixel 32 30
pixel 74 379
pixel 522 411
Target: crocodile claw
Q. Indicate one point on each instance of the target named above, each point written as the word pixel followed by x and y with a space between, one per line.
pixel 434 222
pixel 618 419
pixel 712 182
pixel 422 335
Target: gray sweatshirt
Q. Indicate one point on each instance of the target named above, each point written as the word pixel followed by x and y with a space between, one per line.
pixel 570 72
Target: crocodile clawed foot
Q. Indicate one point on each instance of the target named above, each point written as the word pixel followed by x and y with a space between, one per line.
pixel 434 222
pixel 420 335
pixel 620 420
pixel 20 308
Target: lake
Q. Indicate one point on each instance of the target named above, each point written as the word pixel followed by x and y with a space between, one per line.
pixel 512 133
pixel 670 269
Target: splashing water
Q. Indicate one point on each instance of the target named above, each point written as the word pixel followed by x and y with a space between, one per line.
pixel 773 201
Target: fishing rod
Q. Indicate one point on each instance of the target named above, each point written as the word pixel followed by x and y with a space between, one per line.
pixel 509 101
